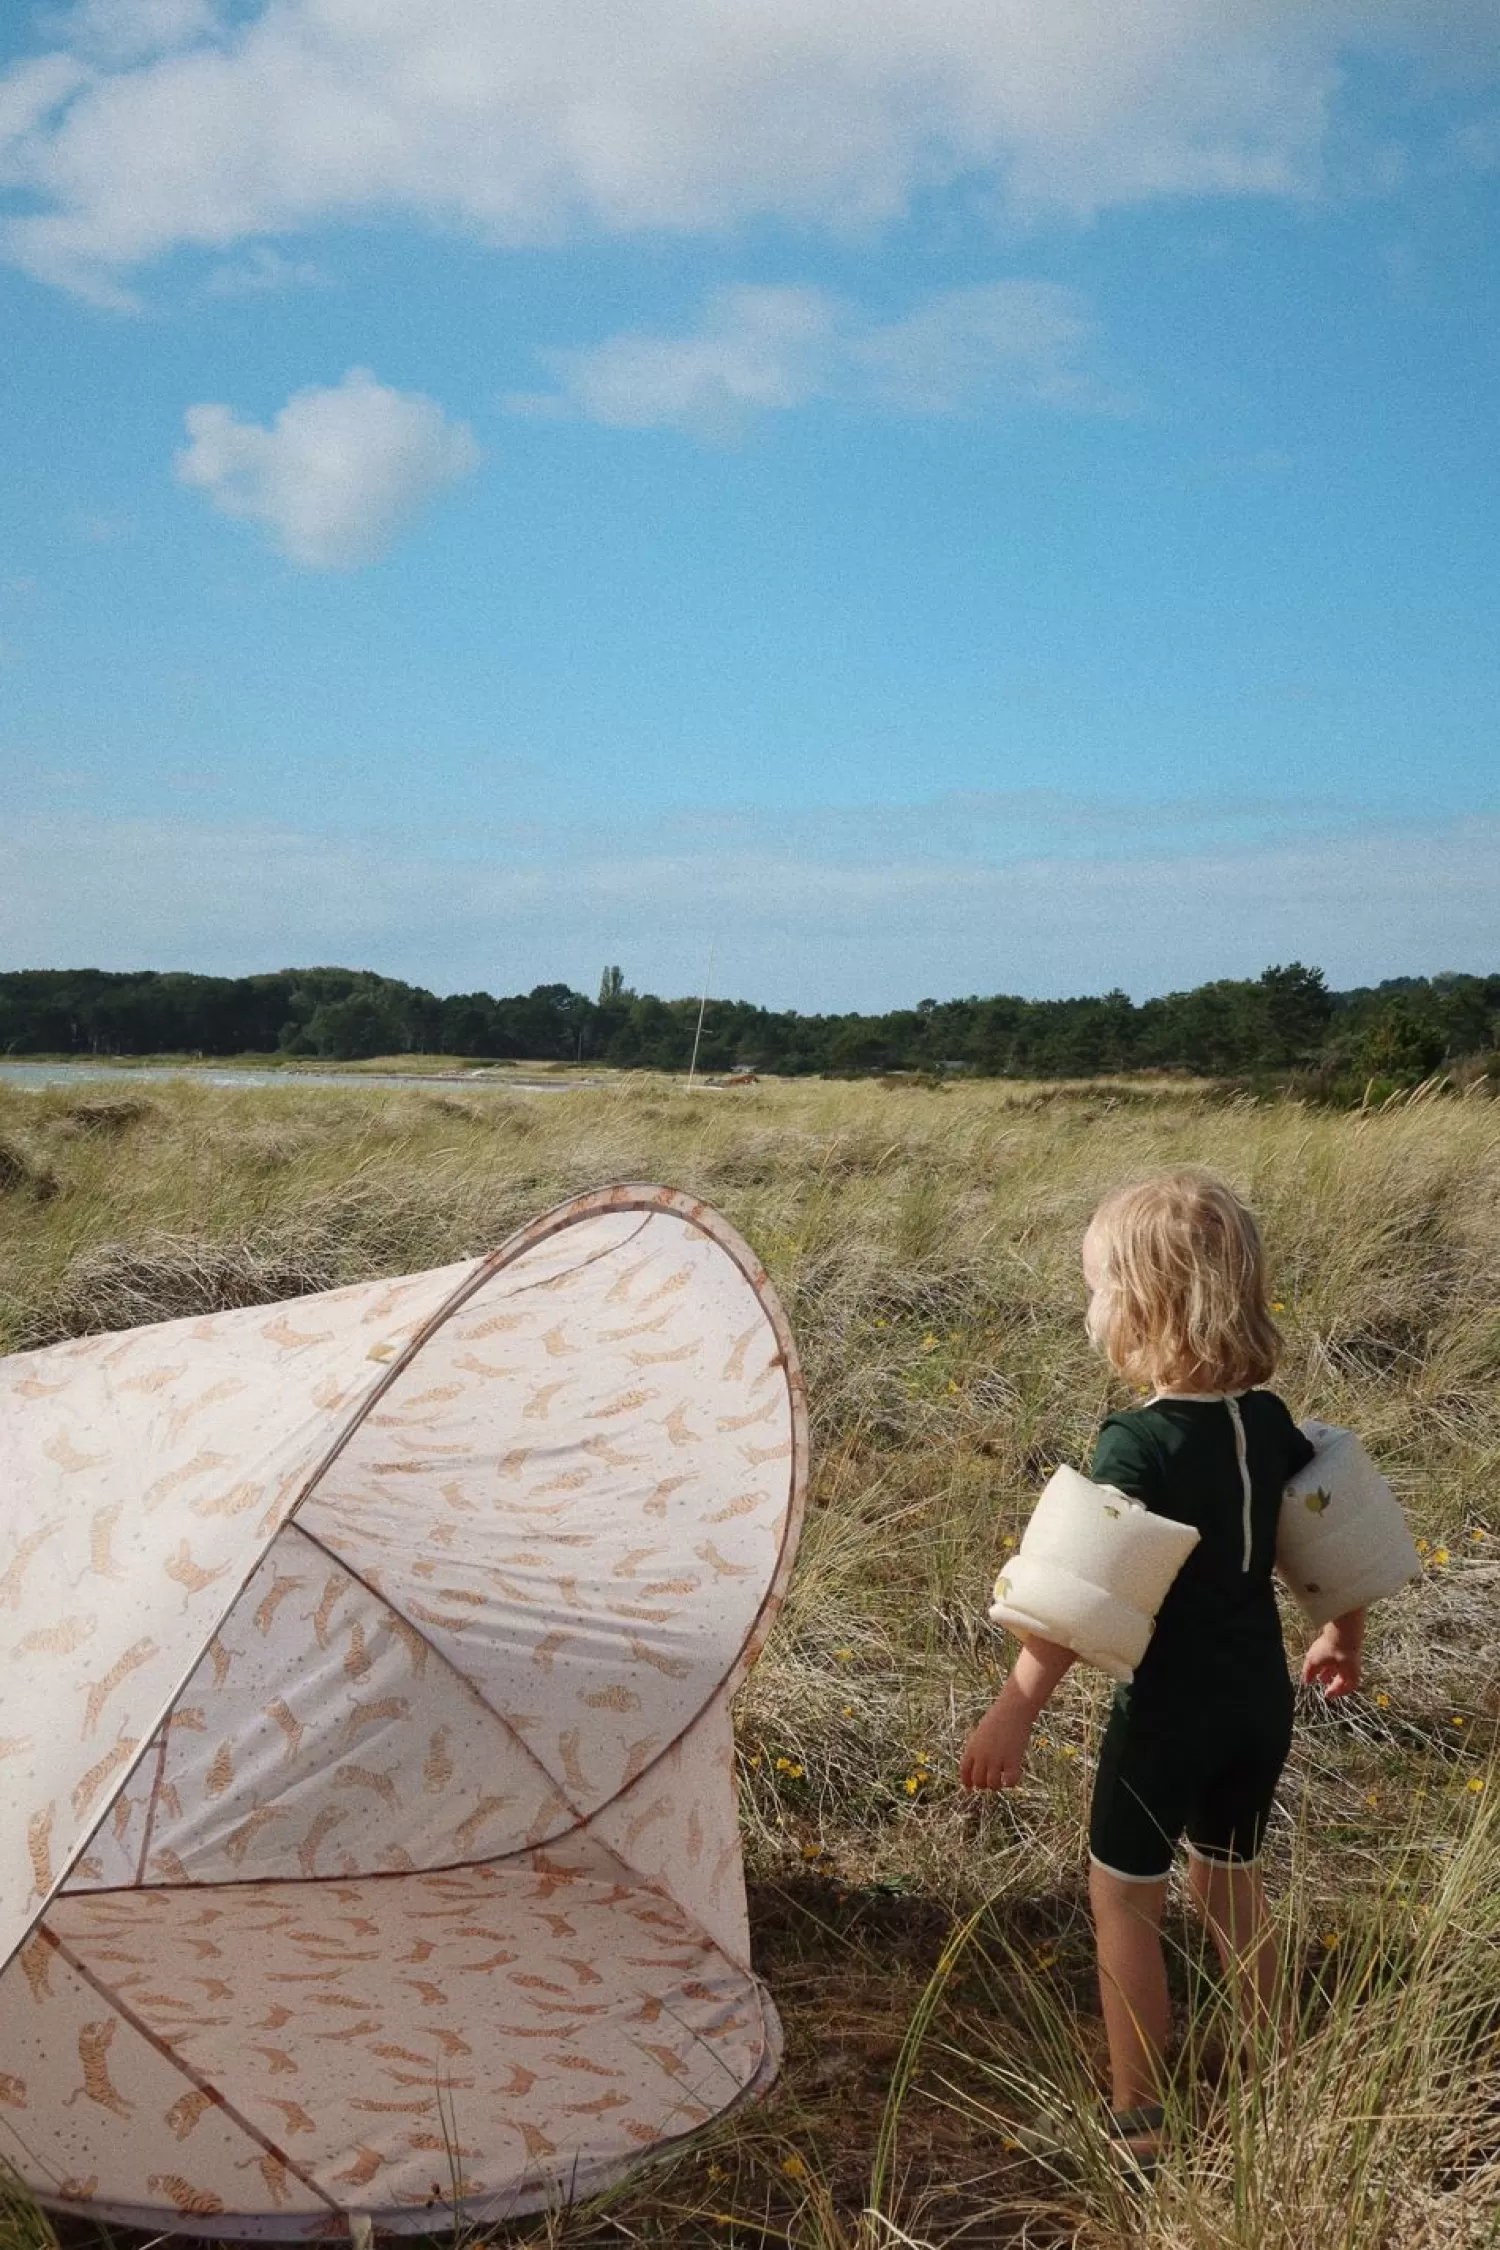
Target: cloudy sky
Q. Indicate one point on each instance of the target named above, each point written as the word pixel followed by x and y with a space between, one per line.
pixel 903 496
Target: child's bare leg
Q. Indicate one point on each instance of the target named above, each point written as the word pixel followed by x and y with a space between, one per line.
pixel 1132 1985
pixel 1232 1901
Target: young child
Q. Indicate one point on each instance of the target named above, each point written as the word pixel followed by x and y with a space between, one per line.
pixel 1195 1746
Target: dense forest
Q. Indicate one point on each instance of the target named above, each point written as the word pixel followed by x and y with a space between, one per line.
pixel 1283 1022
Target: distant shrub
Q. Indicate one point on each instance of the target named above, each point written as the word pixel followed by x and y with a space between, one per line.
pixel 129 1284
pixel 107 1114
pixel 19 1175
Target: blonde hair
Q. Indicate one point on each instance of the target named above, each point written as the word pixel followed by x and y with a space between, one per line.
pixel 1181 1300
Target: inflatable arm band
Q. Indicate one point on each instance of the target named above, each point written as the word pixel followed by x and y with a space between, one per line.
pixel 1091 1572
pixel 1342 1540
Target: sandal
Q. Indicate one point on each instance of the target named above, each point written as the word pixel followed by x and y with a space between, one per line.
pixel 1128 2126
pixel 1055 2140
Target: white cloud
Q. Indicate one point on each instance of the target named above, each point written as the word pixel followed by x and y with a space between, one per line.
pixel 339 472
pixel 30 93
pixel 796 927
pixel 517 122
pixel 759 349
pixel 132 31
pixel 262 272
pixel 1020 339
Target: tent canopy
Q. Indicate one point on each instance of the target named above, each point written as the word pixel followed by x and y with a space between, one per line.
pixel 367 1822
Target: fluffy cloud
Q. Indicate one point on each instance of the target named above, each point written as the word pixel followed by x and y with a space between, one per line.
pixel 338 474
pixel 521 120
pixel 758 349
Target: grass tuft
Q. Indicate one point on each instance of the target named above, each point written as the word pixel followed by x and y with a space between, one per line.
pixel 930 1955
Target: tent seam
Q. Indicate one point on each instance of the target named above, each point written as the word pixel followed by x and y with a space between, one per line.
pixel 386 1603
pixel 149 1830
pixel 205 2085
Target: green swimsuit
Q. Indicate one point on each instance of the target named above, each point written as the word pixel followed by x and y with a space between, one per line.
pixel 1195 1746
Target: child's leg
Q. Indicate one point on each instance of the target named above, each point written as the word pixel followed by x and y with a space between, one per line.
pixel 1232 1900
pixel 1132 1984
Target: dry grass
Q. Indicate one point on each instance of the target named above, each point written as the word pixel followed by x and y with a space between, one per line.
pixel 926 1246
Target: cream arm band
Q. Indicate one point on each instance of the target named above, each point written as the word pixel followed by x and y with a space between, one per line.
pixel 1342 1540
pixel 1091 1572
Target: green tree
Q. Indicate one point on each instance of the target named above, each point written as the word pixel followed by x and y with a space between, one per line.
pixel 1299 1008
pixel 353 1030
pixel 1401 1047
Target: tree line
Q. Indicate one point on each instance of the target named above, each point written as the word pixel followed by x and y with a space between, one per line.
pixel 1286 1021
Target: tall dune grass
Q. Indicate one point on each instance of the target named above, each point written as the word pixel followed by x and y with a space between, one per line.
pixel 931 1954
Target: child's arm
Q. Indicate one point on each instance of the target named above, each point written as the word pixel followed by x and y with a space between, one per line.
pixel 1335 1659
pixel 996 1750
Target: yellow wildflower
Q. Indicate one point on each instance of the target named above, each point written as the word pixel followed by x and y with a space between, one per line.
pixel 1330 1939
pixel 912 1784
pixel 848 1710
pixel 1277 1306
pixel 929 1342
pixel 1421 1546
pixel 1069 1750
pixel 1440 1555
pixel 843 1655
pixel 1382 1700
pixel 1474 1784
pixel 1455 1721
pixel 794 2167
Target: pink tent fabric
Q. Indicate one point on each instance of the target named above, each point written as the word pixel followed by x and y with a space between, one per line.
pixel 368 1841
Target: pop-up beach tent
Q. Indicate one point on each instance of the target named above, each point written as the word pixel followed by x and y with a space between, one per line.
pixel 368 1841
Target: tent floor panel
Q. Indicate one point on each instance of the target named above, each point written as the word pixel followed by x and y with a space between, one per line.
pixel 490 2039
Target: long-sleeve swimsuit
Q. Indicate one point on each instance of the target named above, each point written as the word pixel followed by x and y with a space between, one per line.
pixel 1195 1745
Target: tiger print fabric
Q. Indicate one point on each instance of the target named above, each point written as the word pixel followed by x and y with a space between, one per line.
pixel 380 1620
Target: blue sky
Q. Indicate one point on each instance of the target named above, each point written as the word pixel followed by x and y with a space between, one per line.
pixel 914 497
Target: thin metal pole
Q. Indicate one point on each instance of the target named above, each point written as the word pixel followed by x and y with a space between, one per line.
pixel 702 1005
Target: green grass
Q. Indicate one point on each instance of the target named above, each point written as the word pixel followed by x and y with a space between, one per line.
pixel 926 1246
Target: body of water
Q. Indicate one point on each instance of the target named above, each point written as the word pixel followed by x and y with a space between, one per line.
pixel 35 1075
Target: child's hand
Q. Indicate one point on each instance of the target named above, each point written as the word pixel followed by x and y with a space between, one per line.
pixel 1335 1661
pixel 996 1751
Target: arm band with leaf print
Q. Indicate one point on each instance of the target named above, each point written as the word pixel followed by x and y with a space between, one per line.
pixel 1342 1541
pixel 1091 1572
